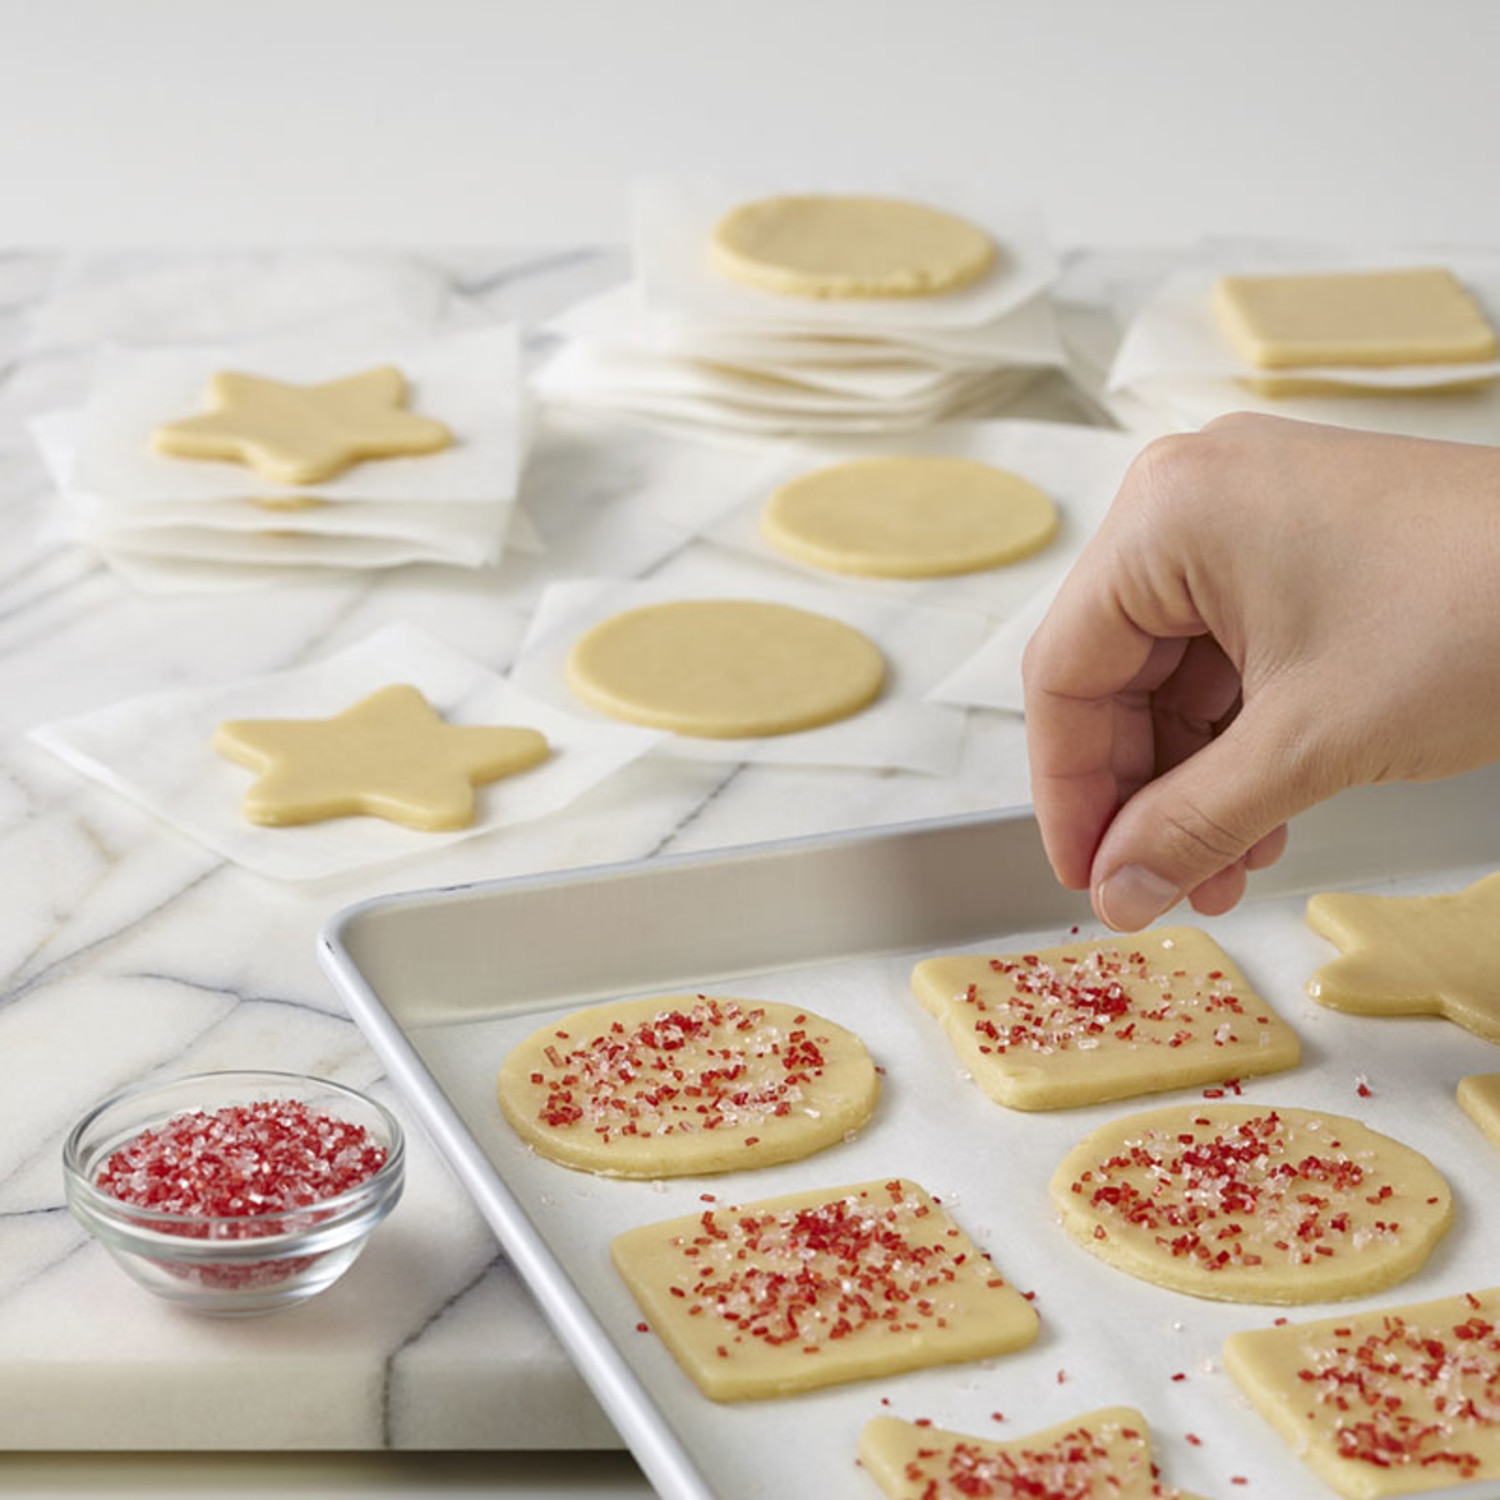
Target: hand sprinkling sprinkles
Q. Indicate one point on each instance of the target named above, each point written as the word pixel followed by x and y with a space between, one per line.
pixel 1242 1204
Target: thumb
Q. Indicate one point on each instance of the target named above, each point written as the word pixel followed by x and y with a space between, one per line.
pixel 1201 817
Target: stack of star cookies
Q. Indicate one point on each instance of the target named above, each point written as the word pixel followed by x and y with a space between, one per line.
pixel 774 313
pixel 199 467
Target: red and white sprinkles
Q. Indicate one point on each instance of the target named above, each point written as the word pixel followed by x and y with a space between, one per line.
pixel 1409 1394
pixel 1077 1000
pixel 718 1065
pixel 1198 1190
pixel 813 1276
pixel 1078 1466
pixel 263 1158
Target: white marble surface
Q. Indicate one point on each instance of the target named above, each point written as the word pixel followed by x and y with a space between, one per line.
pixel 128 951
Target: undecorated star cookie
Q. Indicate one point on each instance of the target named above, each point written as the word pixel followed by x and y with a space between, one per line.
pixel 814 1289
pixel 681 1084
pixel 1479 1098
pixel 909 516
pixel 389 756
pixel 823 245
pixel 1086 1022
pixel 1247 1204
pixel 1389 1402
pixel 1413 955
pixel 725 668
pixel 303 434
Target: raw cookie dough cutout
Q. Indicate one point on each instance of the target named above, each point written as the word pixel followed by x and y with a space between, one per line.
pixel 725 668
pixel 1087 1022
pixel 303 434
pixel 1389 1402
pixel 909 516
pixel 389 756
pixel 1359 318
pixel 819 1288
pixel 834 246
pixel 1413 955
pixel 1100 1453
pixel 1479 1098
pixel 681 1084
pixel 1246 1204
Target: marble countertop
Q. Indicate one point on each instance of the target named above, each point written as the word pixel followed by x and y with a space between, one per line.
pixel 129 951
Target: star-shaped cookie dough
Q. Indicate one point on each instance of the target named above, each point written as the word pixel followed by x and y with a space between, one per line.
pixel 1413 955
pixel 389 756
pixel 303 434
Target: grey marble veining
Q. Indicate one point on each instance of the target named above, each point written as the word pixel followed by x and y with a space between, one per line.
pixel 129 952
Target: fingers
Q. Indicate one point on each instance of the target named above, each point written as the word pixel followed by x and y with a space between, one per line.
pixel 1195 830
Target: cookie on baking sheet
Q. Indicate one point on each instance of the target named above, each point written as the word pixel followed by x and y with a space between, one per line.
pixel 1479 1098
pixel 1098 1453
pixel 1388 1402
pixel 1242 1203
pixel 1413 955
pixel 818 1288
pixel 679 1084
pixel 1087 1022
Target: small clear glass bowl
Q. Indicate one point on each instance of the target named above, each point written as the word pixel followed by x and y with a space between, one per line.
pixel 231 1266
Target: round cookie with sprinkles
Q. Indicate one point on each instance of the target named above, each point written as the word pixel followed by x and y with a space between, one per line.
pixel 1250 1204
pixel 680 1084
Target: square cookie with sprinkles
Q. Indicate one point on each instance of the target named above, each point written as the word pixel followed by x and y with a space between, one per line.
pixel 817 1288
pixel 1087 1022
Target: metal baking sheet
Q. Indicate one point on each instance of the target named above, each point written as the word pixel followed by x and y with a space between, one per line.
pixel 444 982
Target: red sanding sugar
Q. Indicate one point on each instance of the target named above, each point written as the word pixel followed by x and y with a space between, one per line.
pixel 263 1158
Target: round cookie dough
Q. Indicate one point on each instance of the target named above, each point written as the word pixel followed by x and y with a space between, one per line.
pixel 725 668
pixel 917 516
pixel 1242 1203
pixel 682 1084
pixel 833 246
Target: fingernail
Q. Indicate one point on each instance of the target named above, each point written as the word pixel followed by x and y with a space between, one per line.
pixel 1133 897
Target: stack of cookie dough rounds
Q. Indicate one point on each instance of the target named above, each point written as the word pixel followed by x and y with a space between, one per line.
pixel 810 313
pixel 194 467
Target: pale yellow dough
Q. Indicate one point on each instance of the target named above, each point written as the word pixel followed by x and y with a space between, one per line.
pixel 1362 318
pixel 832 246
pixel 1245 1203
pixel 918 516
pixel 679 1084
pixel 725 668
pixel 389 756
pixel 1087 1022
pixel 1413 955
pixel 303 434
pixel 1479 1098
pixel 819 1288
pixel 1372 1403
pixel 1099 1453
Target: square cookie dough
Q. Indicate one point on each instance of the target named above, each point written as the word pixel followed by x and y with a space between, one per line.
pixel 1416 316
pixel 814 1289
pixel 1087 1022
pixel 1389 1402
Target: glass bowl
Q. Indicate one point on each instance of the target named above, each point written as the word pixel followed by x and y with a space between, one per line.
pixel 231 1265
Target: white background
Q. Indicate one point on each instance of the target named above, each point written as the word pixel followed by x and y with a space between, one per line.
pixel 466 122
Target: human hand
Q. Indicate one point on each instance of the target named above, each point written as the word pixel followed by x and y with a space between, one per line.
pixel 1272 611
